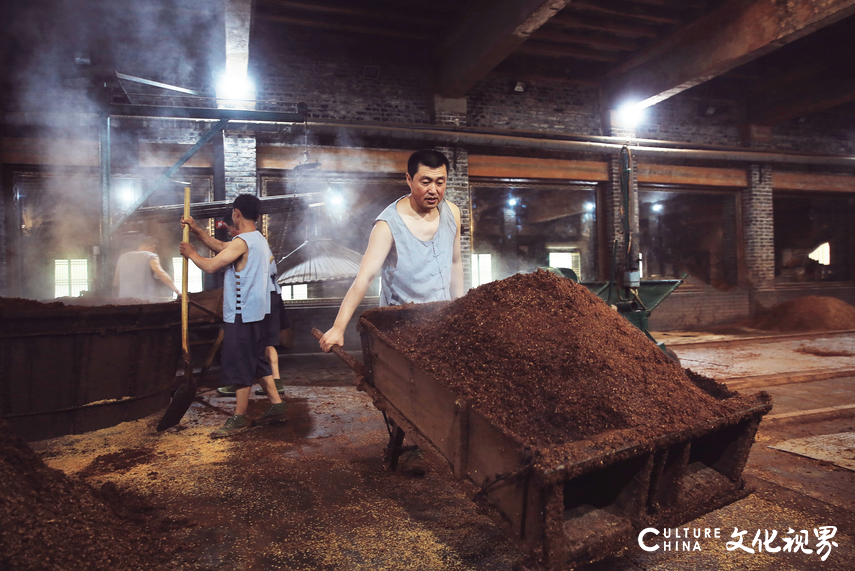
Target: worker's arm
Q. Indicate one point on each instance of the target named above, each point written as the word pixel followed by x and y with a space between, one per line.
pixel 212 243
pixel 379 245
pixel 158 270
pixel 230 254
pixel 456 258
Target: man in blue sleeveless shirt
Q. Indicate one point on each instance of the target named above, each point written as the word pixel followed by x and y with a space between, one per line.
pixel 246 302
pixel 415 243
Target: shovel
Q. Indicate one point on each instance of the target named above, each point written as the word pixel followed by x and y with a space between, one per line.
pixel 186 392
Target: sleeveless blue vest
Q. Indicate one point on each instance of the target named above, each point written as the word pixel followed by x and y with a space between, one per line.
pixel 248 292
pixel 416 271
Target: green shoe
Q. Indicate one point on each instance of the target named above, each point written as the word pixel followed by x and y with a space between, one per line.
pixel 274 415
pixel 233 425
pixel 279 388
pixel 228 391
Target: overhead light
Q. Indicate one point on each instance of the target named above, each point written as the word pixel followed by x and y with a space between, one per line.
pixel 630 114
pixel 657 207
pixel 125 192
pixel 512 202
pixel 336 199
pixel 589 206
pixel 233 90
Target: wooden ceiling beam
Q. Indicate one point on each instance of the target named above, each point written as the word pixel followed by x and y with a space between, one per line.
pixel 624 30
pixel 625 10
pixel 675 4
pixel 486 35
pixel 560 51
pixel 596 42
pixel 734 34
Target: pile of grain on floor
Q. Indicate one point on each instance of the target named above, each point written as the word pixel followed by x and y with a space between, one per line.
pixel 809 313
pixel 548 360
pixel 49 521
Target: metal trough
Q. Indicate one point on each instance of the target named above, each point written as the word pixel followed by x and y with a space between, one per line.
pixel 569 513
pixel 69 369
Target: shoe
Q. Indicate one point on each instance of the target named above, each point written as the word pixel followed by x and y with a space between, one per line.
pixel 228 391
pixel 279 388
pixel 274 415
pixel 233 425
pixel 414 464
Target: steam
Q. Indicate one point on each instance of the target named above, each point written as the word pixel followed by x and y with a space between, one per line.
pixel 55 55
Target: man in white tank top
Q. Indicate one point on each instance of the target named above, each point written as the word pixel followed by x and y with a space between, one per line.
pixel 423 222
pixel 139 273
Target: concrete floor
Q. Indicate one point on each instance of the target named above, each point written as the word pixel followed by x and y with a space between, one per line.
pixel 313 493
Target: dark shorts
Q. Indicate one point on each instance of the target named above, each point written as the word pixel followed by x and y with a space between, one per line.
pixel 276 320
pixel 242 360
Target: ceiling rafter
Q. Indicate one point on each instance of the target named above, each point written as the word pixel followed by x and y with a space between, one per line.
pixel 560 51
pixel 598 41
pixel 602 25
pixel 624 10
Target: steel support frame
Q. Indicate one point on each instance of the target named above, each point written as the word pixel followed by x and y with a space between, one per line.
pixel 164 178
pixel 103 255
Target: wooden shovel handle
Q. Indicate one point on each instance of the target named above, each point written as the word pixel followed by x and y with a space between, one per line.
pixel 185 310
pixel 339 352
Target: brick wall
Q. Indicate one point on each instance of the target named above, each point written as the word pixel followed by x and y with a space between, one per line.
pixel 457 191
pixel 683 118
pixel 758 230
pixel 686 310
pixel 336 89
pixel 240 164
pixel 543 106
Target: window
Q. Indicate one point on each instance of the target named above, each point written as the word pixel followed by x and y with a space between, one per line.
pixel 691 232
pixel 821 254
pixel 519 225
pixel 71 277
pixel 296 291
pixel 571 259
pixel 813 237
pixel 194 276
pixel 482 269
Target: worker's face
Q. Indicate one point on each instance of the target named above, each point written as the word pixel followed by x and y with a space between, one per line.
pixel 428 186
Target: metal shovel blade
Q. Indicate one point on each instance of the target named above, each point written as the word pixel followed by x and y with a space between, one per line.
pixel 178 406
pixel 186 392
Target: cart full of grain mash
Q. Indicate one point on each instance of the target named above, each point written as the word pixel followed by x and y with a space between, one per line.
pixel 565 422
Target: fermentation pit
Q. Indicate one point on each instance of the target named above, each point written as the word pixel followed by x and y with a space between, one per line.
pixel 69 369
